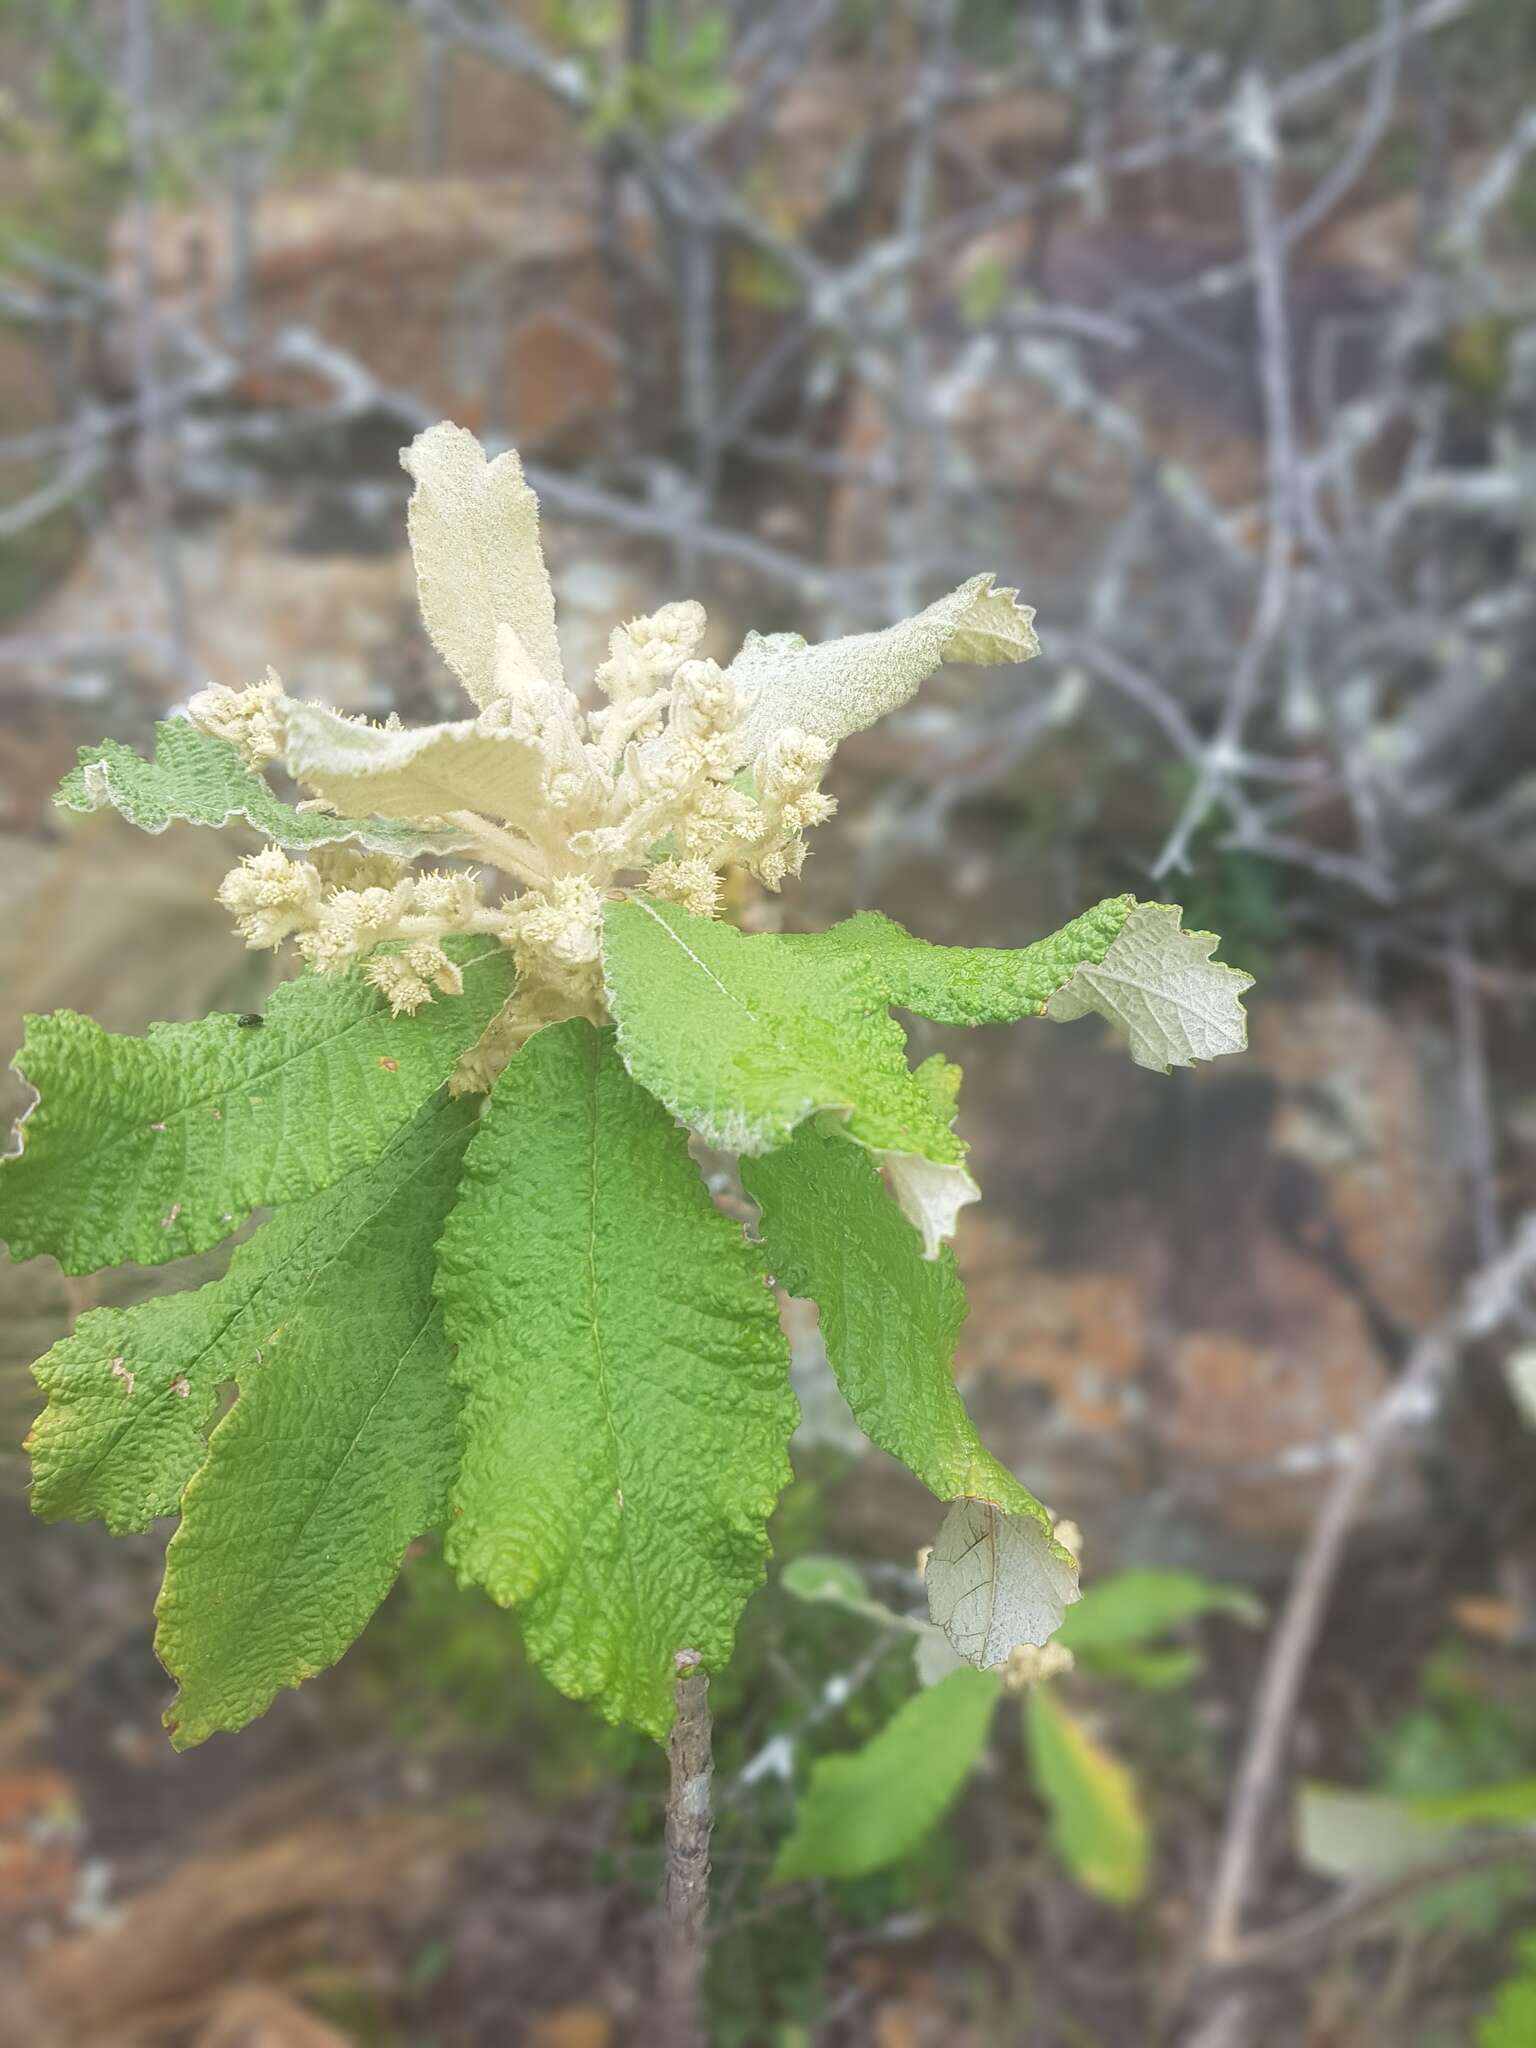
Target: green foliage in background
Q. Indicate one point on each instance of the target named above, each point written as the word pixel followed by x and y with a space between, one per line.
pixel 864 1810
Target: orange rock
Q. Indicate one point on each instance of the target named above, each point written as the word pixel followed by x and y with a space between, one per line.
pixel 573 2026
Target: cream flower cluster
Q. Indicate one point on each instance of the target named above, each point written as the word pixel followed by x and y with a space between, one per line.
pixel 681 772
pixel 655 789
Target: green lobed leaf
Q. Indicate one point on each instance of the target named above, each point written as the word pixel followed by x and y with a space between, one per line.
pixel 626 1397
pixel 1098 1825
pixel 149 1148
pixel 744 1038
pixel 975 984
pixel 889 1317
pixel 338 1453
pixel 870 1808
pixel 1160 986
pixel 196 780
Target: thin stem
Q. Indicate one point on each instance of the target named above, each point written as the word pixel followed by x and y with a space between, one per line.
pixel 503 849
pixel 685 1900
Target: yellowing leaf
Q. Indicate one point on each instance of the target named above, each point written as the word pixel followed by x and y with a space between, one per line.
pixel 997 1580
pixel 1097 1822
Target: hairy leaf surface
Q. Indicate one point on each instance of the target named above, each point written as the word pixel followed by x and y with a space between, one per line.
pixel 863 1811
pixel 976 984
pixel 132 1391
pixel 744 1038
pixel 996 1580
pixel 150 1148
pixel 1161 987
pixel 841 686
pixel 421 772
pixel 474 529
pixel 626 1397
pixel 196 780
pixel 338 1453
pixel 889 1317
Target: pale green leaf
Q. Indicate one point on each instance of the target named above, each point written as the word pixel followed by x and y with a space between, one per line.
pixel 132 1391
pixel 889 1317
pixel 474 530
pixel 997 1580
pixel 337 1454
pixel 1160 986
pixel 744 1038
pixel 825 1578
pixel 626 1397
pixel 841 686
pixel 1350 1835
pixel 870 1808
pixel 149 1148
pixel 196 780
pixel 1097 1823
pixel 1137 1605
pixel 422 772
pixel 974 984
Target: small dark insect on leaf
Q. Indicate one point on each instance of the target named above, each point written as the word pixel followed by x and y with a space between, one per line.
pixel 251 1019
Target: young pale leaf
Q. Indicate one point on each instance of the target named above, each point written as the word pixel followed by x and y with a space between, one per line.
pixel 842 686
pixel 626 1397
pixel 975 984
pixel 889 1317
pixel 337 1455
pixel 996 1580
pixel 474 529
pixel 1097 1822
pixel 1160 985
pixel 744 1038
pixel 132 1391
pixel 1136 1606
pixel 195 780
pixel 149 1148
pixel 422 772
pixel 863 1811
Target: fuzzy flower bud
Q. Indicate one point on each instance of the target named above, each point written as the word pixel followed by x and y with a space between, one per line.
pixel 450 900
pixel 271 896
pixel 564 926
pixel 1026 1666
pixel 692 883
pixel 648 652
pixel 250 720
pixel 351 922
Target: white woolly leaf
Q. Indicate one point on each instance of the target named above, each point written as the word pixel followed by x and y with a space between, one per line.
pixel 1160 985
pixel 475 538
pixel 844 685
pixel 424 772
pixel 997 1580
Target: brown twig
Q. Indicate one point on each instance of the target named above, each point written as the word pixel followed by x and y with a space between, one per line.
pixel 685 1899
pixel 1488 1300
pixel 1309 1936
